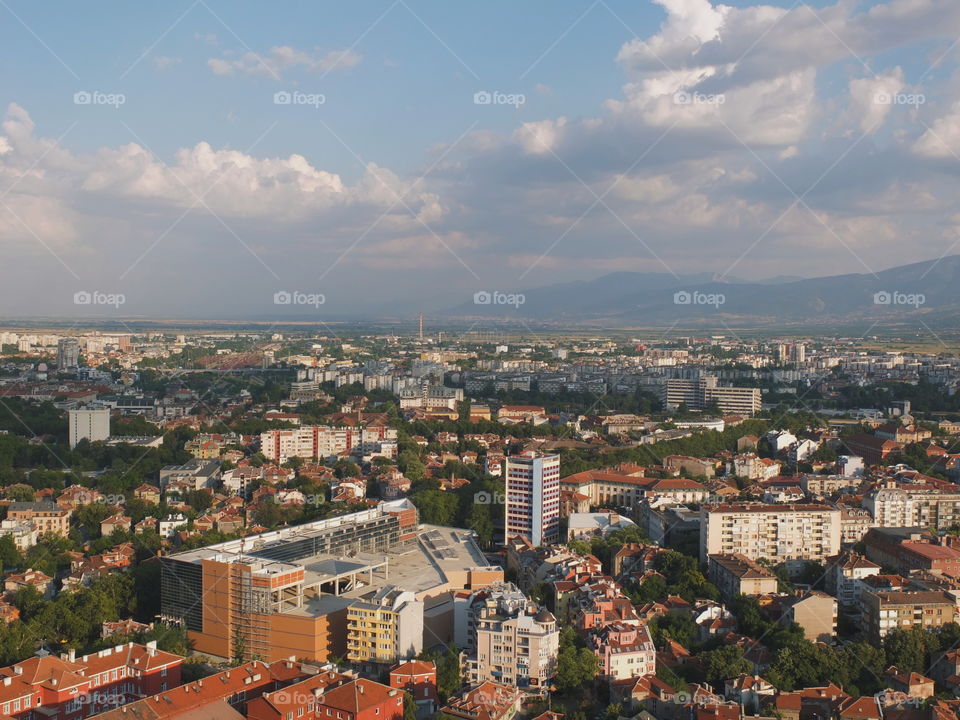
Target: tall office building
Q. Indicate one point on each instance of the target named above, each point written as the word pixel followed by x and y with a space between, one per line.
pixel 533 497
pixel 89 424
pixel 68 353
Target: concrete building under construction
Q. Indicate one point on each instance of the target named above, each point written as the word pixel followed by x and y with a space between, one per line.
pixel 287 592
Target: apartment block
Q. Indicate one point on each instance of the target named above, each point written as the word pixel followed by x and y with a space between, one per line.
pixel 91 424
pixel 320 441
pixel 843 576
pixel 736 574
pixel 46 517
pixel 887 611
pixel 532 508
pixel 510 640
pixel 386 628
pixel 913 505
pixel 778 533
pixel 701 393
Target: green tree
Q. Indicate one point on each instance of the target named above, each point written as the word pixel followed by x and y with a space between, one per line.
pixel 723 663
pixel 409 707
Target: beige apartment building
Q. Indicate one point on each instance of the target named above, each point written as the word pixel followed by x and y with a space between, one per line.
pixel 777 533
pixel 815 612
pixel 511 640
pixel 47 517
pixel 735 574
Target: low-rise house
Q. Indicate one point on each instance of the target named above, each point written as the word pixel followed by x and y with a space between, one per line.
pixel 487 701
pixel 624 650
pixel 113 523
pixel 39 581
pixel 913 684
pixel 750 691
pixel 419 678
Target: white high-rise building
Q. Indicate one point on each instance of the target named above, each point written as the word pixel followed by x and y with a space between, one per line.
pixel 89 424
pixel 533 497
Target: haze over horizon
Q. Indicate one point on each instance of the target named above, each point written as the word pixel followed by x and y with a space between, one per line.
pixel 401 156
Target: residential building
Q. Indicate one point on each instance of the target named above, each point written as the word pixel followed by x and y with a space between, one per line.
pixel 487 701
pixel 608 488
pixel 736 574
pixel 532 507
pixel 91 424
pixel 778 533
pixel 24 533
pixel 419 678
pixel 894 504
pixel 815 612
pixel 195 474
pixel 510 640
pixel 46 517
pixel 329 695
pixel 70 687
pixel 320 441
pixel 224 696
pixel 385 628
pixel 887 611
pixel 699 394
pixel 843 575
pixel 624 651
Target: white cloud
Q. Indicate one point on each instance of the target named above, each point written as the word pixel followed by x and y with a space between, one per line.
pixel 163 62
pixel 281 58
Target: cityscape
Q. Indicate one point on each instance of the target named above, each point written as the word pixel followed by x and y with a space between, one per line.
pixel 410 360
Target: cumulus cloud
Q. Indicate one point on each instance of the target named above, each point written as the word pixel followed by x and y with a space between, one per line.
pixel 282 58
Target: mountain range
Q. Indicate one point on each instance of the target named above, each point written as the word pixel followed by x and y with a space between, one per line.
pixel 927 292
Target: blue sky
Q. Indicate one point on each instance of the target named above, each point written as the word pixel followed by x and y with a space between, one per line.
pixel 401 184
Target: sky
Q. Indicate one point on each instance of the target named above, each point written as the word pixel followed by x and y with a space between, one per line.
pixel 234 159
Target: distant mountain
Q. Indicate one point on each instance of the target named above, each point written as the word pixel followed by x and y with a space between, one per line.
pixel 928 291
